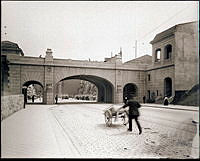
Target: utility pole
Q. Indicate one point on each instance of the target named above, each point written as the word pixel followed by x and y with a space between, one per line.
pixel 120 53
pixel 135 48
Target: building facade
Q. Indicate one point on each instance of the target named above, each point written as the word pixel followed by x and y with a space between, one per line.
pixel 170 71
pixel 175 61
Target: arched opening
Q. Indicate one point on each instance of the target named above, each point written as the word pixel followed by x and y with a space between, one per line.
pixel 33 91
pixel 157 55
pixel 130 89
pixel 88 89
pixel 168 51
pixel 75 90
pixel 168 87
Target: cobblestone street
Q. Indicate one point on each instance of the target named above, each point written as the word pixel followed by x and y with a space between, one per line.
pixel 79 131
pixel 164 134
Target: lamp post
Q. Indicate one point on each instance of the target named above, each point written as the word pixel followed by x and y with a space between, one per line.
pixel 24 91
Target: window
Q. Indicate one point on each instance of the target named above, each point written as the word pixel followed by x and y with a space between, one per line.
pixel 168 51
pixel 149 77
pixel 157 55
pixel 157 92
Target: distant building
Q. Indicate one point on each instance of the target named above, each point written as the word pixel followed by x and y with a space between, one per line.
pixel 146 59
pixel 7 48
pixel 116 58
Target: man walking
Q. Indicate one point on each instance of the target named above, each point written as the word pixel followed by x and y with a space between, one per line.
pixel 144 99
pixel 56 98
pixel 133 112
pixel 32 98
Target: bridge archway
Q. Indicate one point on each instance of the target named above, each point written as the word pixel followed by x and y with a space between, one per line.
pixel 105 88
pixel 130 89
pixel 38 94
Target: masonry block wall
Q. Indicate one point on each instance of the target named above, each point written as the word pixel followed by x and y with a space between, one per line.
pixel 4 76
pixel 137 78
pixel 30 73
pixel 100 77
pixel 186 59
pixel 14 79
pixel 11 104
pixel 118 86
pixel 156 82
pixel 161 45
pixel 48 90
pixel 141 85
pixel 48 78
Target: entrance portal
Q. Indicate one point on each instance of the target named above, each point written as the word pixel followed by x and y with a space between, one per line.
pixel 33 92
pixel 168 87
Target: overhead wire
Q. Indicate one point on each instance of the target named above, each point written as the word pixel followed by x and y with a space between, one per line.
pixel 167 20
pixel 170 18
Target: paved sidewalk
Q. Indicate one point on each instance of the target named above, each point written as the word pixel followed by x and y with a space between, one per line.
pixel 29 134
pixel 171 106
pixel 176 107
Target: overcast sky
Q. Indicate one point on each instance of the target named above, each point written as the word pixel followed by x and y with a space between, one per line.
pixel 81 30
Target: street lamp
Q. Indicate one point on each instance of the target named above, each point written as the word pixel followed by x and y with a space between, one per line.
pixel 24 91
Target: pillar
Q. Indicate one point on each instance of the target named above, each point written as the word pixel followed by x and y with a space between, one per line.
pixel 48 78
pixel 118 89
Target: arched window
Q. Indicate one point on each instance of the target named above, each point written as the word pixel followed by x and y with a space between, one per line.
pixel 168 51
pixel 157 55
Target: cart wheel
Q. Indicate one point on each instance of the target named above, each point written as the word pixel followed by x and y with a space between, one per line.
pixel 108 118
pixel 125 118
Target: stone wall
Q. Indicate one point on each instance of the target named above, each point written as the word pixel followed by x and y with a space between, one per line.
pixel 186 58
pixel 156 82
pixel 11 104
pixel 161 45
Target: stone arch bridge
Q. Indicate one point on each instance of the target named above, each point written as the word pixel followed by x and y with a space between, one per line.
pixel 110 77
